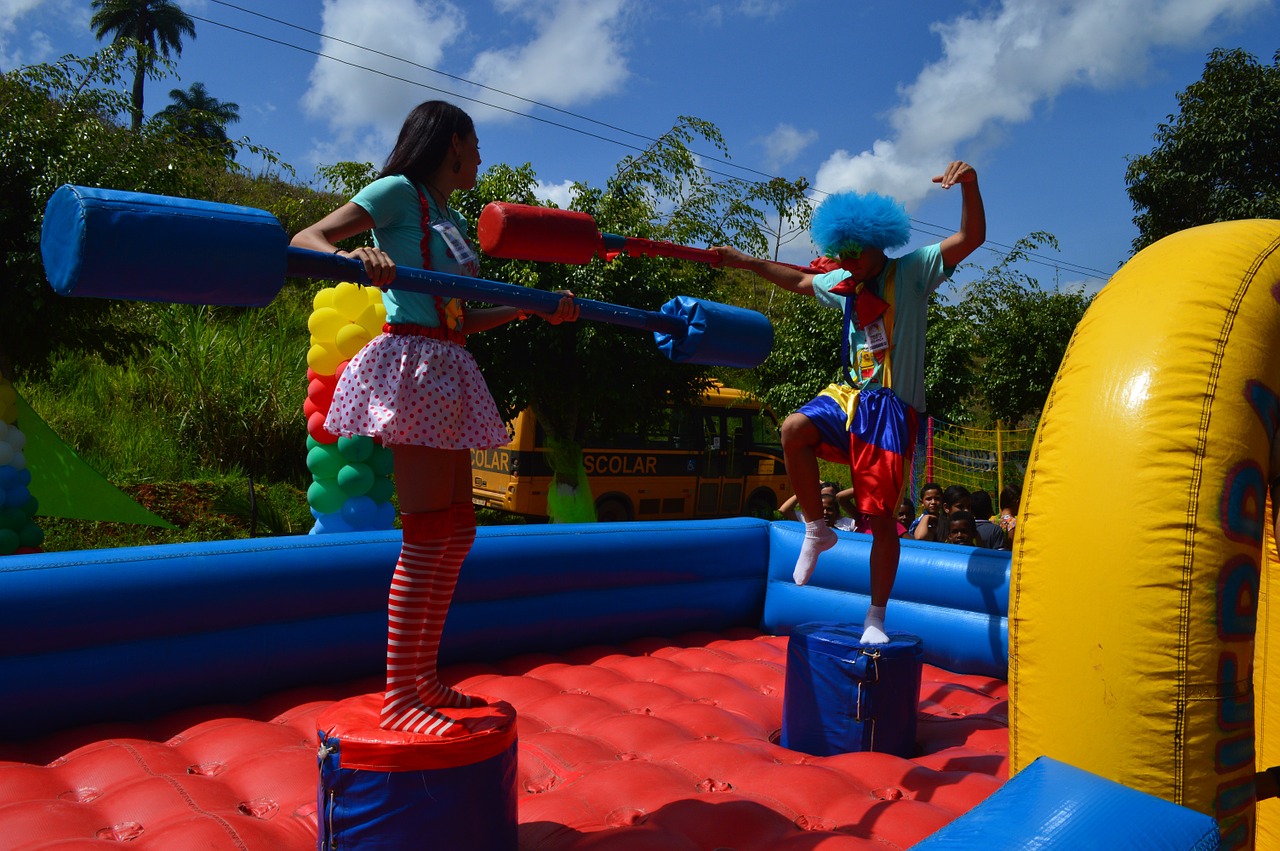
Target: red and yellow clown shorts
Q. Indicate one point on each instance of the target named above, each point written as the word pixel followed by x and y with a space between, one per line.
pixel 874 432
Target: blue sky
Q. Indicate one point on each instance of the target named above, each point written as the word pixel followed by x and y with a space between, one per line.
pixel 1046 99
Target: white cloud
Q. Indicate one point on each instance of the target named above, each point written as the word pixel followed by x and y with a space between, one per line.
pixel 557 193
pixel 784 144
pixel 761 8
pixel 575 55
pixel 30 43
pixel 365 109
pixel 997 67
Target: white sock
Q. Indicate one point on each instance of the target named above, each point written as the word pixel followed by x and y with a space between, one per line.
pixel 873 626
pixel 818 538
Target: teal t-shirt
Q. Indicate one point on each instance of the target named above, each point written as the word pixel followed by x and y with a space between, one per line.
pixel 395 206
pixel 901 369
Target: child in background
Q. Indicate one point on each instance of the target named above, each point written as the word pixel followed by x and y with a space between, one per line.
pixel 791 510
pixel 906 517
pixel 961 528
pixel 1010 499
pixel 831 513
pixel 990 535
pixel 926 526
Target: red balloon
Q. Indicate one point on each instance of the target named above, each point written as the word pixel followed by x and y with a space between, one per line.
pixel 315 428
pixel 320 395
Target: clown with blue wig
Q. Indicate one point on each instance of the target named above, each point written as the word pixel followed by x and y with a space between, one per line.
pixel 868 419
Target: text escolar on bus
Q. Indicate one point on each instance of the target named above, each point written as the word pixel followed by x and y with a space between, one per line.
pixel 722 458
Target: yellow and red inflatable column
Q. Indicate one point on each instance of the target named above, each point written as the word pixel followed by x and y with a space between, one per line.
pixel 1136 580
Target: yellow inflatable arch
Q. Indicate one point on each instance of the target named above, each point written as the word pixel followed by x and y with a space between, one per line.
pixel 1143 560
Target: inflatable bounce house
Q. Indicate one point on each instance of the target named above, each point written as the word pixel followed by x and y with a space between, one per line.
pixel 667 685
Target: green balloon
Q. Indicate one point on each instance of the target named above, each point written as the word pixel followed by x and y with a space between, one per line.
pixel 355 479
pixel 325 496
pixel 31 535
pixel 12 518
pixel 31 508
pixel 356 448
pixel 9 541
pixel 381 490
pixel 324 462
pixel 381 461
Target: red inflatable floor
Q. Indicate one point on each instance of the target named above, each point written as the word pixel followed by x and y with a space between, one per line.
pixel 654 745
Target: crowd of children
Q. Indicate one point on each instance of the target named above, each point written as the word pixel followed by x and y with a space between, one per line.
pixel 953 515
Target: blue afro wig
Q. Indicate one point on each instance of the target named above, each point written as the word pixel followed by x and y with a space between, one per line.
pixel 868 220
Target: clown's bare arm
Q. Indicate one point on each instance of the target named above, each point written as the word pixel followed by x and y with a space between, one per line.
pixel 973 217
pixel 779 274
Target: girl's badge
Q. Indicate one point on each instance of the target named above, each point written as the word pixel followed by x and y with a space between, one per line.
pixel 457 244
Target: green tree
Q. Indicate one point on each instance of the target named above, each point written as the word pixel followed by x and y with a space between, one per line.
pixel 994 355
pixel 197 115
pixel 788 210
pixel 592 377
pixel 153 26
pixel 805 355
pixel 1218 159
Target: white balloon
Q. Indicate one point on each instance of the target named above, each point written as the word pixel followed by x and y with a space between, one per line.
pixel 17 439
pixel 18 461
pixel 6 453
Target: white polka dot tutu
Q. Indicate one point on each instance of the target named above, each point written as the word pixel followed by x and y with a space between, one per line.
pixel 407 389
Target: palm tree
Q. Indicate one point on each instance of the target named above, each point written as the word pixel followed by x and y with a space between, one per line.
pixel 199 115
pixel 156 24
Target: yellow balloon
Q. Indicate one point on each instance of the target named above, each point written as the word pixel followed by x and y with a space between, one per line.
pixel 374 295
pixel 351 339
pixel 324 358
pixel 325 323
pixel 9 412
pixel 324 298
pixel 349 300
pixel 7 394
pixel 370 321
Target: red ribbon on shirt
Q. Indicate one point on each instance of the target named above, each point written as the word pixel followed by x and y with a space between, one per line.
pixel 868 307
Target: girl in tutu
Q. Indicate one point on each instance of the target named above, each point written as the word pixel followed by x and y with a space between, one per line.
pixel 417 389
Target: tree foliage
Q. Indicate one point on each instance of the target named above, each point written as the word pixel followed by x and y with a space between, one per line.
pixel 200 118
pixel 1218 159
pixel 994 354
pixel 152 27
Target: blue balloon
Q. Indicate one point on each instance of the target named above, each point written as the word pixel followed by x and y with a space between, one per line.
pixel 361 512
pixel 8 477
pixel 17 496
pixel 386 516
pixel 328 524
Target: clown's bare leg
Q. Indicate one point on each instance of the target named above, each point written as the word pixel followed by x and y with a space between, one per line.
pixel 885 551
pixel 800 439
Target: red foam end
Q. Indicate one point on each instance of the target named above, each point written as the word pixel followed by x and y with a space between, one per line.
pixel 490 730
pixel 524 232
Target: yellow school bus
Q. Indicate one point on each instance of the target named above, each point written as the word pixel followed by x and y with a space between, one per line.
pixel 720 458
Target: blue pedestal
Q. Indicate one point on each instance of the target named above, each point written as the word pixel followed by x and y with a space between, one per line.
pixel 843 696
pixel 386 791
